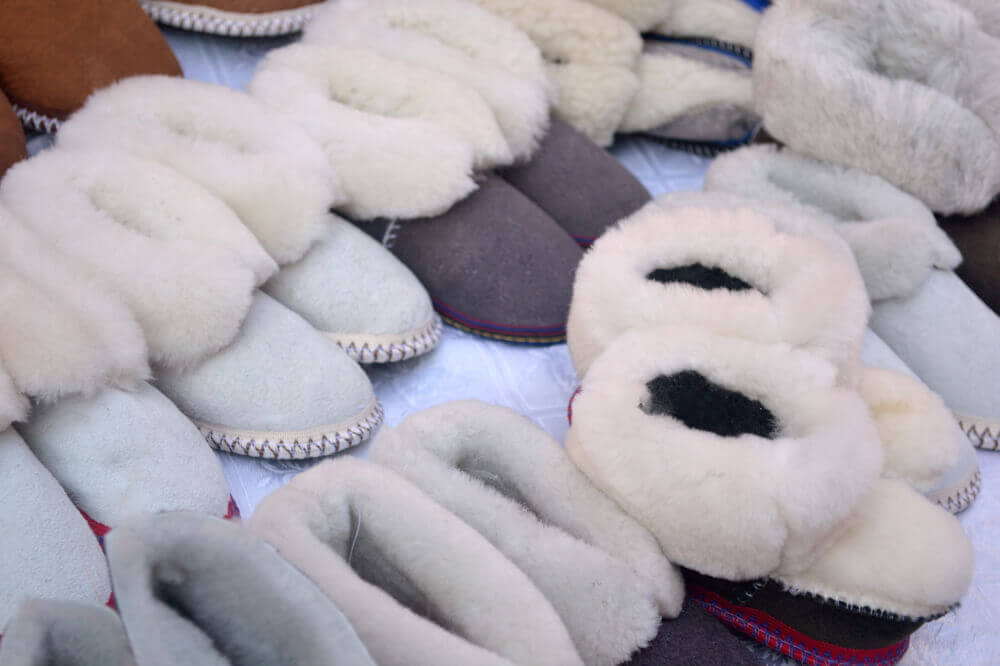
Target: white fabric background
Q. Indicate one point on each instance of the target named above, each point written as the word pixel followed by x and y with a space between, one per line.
pixel 538 382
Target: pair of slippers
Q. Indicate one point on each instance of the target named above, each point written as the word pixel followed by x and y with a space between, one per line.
pixel 412 109
pixel 471 513
pixel 183 600
pixel 730 331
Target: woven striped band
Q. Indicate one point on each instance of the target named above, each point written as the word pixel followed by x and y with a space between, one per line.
pixel 542 335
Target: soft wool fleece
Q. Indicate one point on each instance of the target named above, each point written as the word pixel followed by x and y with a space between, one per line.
pixel 740 507
pixel 179 258
pixel 458 39
pixel 275 178
pixel 926 117
pixel 987 12
pixel 64 332
pixel 894 236
pixel 642 14
pixel 65 632
pixel 421 587
pixel 397 167
pixel 803 294
pixel 726 20
pixel 505 477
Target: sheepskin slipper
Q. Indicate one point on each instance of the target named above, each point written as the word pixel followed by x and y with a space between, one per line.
pixel 179 258
pixel 420 586
pixel 121 453
pixel 809 561
pixel 986 12
pixel 495 264
pixel 457 39
pixel 281 185
pixel 577 183
pixel 933 321
pixel 512 483
pixel 48 551
pixel 12 141
pixel 692 97
pixel 726 25
pixel 642 14
pixel 66 633
pixel 281 390
pixel 54 53
pixel 591 57
pixel 371 115
pixel 183 602
pixel 853 82
pixel 233 18
pixel 977 239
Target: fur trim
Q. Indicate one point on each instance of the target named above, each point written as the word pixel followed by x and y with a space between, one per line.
pixel 902 554
pixel 928 120
pixel 457 39
pixel 398 167
pixel 379 547
pixel 594 98
pixel 894 236
pixel 800 292
pixel 727 20
pixel 987 13
pixel 642 14
pixel 735 507
pixel 64 333
pixel 13 405
pixel 506 478
pixel 671 86
pixel 178 257
pixel 266 169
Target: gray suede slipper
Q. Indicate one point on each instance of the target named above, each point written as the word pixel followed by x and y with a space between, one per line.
pixel 65 633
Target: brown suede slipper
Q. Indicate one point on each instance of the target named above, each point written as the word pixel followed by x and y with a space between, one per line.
pixel 495 264
pixel 582 187
pixel 12 147
pixel 235 18
pixel 978 238
pixel 54 53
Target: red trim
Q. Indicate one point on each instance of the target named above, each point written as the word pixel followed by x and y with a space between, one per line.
pixel 100 530
pixel 792 643
pixel 569 407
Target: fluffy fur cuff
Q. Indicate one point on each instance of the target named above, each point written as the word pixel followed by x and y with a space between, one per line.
pixel 420 586
pixel 642 14
pixel 742 458
pixel 178 257
pixel 987 12
pixel 378 121
pixel 64 333
pixel 458 39
pixel 904 89
pixel 731 21
pixel 512 483
pixel 729 270
pixel 266 169
pixel 894 236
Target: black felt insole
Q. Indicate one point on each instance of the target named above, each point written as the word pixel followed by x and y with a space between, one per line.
pixel 698 275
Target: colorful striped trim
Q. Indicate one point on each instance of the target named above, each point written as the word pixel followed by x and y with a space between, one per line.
pixel 780 637
pixel 544 335
pixel 585 241
pixel 101 530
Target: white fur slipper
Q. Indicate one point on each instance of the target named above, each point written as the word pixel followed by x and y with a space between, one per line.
pixel 281 390
pixel 506 478
pixel 370 115
pixel 121 453
pixel 458 39
pixel 986 12
pixel 178 257
pixel 904 89
pixel 184 602
pixel 729 25
pixel 642 14
pixel 936 324
pixel 66 633
pixel 282 187
pixel 420 586
pixel 270 18
pixel 759 474
pixel 48 551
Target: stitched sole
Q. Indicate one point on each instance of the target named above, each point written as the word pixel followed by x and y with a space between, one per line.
pixel 38 122
pixel 217 22
pixel 982 433
pixel 961 497
pixel 378 349
pixel 301 445
pixel 780 637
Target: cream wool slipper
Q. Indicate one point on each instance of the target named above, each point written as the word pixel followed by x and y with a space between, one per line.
pixel 281 185
pixel 65 633
pixel 183 601
pixel 233 18
pixel 903 89
pixel 767 492
pixel 280 390
pixel 508 480
pixel 122 453
pixel 420 586
pixel 642 14
pixel 936 324
pixel 48 552
pixel 728 25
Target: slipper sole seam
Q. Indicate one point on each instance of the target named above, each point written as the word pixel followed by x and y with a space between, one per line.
pixel 230 24
pixel 407 347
